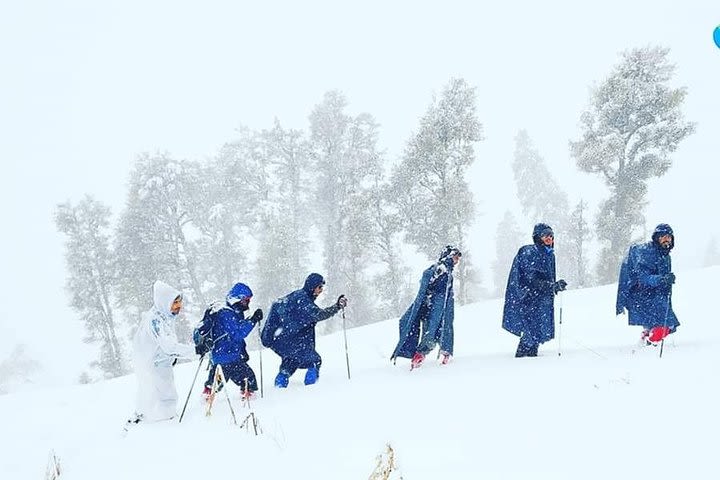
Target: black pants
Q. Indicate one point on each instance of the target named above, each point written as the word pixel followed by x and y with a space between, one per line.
pixel 211 375
pixel 307 359
pixel 237 372
pixel 528 346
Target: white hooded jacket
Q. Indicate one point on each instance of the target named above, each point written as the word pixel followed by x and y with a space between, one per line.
pixel 155 342
pixel 155 346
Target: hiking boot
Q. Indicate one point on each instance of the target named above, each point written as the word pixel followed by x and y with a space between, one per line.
pixel 445 358
pixel 282 379
pixel 246 395
pixel 207 391
pixel 657 334
pixel 312 375
pixel 645 339
pixel 417 360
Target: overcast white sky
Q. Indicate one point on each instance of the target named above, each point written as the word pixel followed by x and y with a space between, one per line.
pixel 88 85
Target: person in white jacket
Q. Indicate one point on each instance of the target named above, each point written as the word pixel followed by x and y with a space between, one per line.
pixel 155 349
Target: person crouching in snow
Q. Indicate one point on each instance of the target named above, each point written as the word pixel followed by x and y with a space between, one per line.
pixel 529 310
pixel 155 351
pixel 429 320
pixel 290 330
pixel 229 329
pixel 645 286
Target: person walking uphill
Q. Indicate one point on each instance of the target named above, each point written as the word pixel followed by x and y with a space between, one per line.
pixel 530 294
pixel 155 350
pixel 645 286
pixel 290 330
pixel 429 320
pixel 229 327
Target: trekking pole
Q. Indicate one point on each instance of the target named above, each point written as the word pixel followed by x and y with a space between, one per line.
pixel 667 312
pixel 219 373
pixel 560 295
pixel 202 357
pixel 347 357
pixel 260 356
pixel 560 326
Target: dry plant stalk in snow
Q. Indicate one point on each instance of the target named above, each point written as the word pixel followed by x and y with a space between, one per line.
pixel 385 465
pixel 251 421
pixel 53 467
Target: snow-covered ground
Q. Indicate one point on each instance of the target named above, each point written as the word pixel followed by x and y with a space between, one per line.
pixel 603 409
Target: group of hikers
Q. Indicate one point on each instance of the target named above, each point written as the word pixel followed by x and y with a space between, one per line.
pixel 644 290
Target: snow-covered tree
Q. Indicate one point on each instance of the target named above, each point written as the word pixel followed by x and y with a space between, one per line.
pixel 17 368
pixel 508 240
pixel 233 184
pixel 283 236
pixel 578 234
pixel 155 238
pixel 430 189
pixel 540 195
pixel 394 291
pixel 91 272
pixel 346 161
pixel 633 124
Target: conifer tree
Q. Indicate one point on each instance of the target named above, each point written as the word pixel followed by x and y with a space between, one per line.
pixel 346 159
pixel 632 126
pixel 508 240
pixel 431 191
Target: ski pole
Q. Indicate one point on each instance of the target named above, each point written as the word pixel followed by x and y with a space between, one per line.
pixel 202 357
pixel 667 312
pixel 260 345
pixel 347 357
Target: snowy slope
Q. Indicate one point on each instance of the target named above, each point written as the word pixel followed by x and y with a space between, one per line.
pixel 597 411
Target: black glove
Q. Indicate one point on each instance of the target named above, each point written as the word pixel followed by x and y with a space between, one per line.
pixel 560 286
pixel 257 316
pixel 667 279
pixel 199 350
pixel 341 301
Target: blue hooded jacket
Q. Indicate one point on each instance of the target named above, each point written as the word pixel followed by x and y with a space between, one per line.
pixel 529 296
pixel 290 328
pixel 640 289
pixel 230 328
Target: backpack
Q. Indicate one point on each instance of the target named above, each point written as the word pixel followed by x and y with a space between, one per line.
pixel 202 334
pixel 273 323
